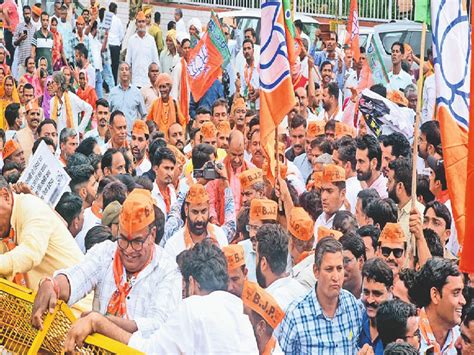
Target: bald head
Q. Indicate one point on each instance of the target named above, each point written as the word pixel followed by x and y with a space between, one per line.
pixel 236 149
pixel 302 97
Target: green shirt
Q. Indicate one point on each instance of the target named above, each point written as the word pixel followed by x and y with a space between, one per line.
pixel 44 48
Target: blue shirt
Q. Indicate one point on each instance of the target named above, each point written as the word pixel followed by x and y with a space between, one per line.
pixel 306 330
pixel 304 166
pixel 129 101
pixel 216 91
pixel 365 338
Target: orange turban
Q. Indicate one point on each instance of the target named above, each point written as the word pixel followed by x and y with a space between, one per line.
pixel 250 177
pixel 141 16
pixel 197 195
pixel 326 232
pixel 140 127
pixel 164 78
pixel 300 224
pixel 36 10
pixel 392 233
pixel 263 209
pixel 10 147
pixel 315 128
pixel 262 303
pixel 224 127
pixel 32 105
pixel 333 173
pixel 80 20
pixel 137 212
pixel 208 130
pixel 234 254
pixel 343 129
pixel 238 103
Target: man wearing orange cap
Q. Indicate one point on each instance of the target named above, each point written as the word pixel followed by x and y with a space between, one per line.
pixel 141 52
pixel 197 226
pixel 262 211
pixel 164 193
pixel 223 133
pixel 13 152
pixel 333 194
pixel 392 246
pixel 251 185
pixel 237 114
pixel 81 37
pixel 236 268
pixel 210 320
pixel 165 110
pixel 137 285
pixel 265 315
pixel 300 244
pixel 272 259
pixel 139 146
pixel 209 134
pixel 27 136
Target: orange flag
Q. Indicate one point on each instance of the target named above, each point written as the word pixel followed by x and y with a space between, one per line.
pixel 352 37
pixel 277 97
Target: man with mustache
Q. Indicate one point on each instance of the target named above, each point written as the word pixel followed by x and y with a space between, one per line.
pixel 223 134
pixel 256 149
pixel 369 163
pixel 393 146
pixel 164 163
pixel 197 226
pixel 354 257
pixel 102 114
pixel 333 194
pixel 139 147
pixel 392 247
pixel 297 137
pixel 176 136
pixel 377 286
pixel 27 136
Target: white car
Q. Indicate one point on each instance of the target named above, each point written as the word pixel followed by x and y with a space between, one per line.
pixel 251 18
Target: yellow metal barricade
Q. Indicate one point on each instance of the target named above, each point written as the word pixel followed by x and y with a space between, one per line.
pixel 18 336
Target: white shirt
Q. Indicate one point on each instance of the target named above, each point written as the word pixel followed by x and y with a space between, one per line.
pixel 96 53
pixel 77 106
pixel 116 32
pixel 399 81
pixel 144 166
pixel 250 256
pixel 353 187
pixel 94 133
pixel 381 186
pixel 286 290
pixel 181 26
pixel 303 273
pixel 141 52
pixel 159 200
pixel 429 99
pixel 155 293
pixel 168 62
pixel 175 245
pixel 90 220
pixel 325 221
pixel 211 324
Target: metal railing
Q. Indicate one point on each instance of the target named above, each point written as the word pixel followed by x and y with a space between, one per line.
pixel 371 10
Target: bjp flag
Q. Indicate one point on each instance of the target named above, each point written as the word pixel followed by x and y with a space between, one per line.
pixel 452 95
pixel 277 97
pixel 352 37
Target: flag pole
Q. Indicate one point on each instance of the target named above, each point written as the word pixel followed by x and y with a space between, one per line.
pixel 417 130
pixel 277 168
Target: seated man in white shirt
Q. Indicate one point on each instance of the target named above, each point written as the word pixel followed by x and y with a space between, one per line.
pixel 272 258
pixel 209 321
pixel 333 194
pixel 133 269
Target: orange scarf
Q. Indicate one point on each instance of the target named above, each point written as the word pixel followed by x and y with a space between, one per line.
pixel 117 304
pixel 165 115
pixel 69 115
pixel 167 198
pixel 428 334
pixel 188 241
pixel 270 347
pixel 183 95
pixel 19 278
pixel 96 210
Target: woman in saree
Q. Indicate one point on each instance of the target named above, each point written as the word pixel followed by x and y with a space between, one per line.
pixel 9 95
pixel 47 95
pixel 87 93
pixel 59 58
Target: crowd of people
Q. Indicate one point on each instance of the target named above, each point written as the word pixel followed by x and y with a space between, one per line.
pixel 171 237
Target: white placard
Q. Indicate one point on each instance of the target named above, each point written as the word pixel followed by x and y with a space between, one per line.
pixel 107 23
pixel 45 175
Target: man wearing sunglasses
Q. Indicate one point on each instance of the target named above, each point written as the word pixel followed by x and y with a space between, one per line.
pixel 135 283
pixel 392 246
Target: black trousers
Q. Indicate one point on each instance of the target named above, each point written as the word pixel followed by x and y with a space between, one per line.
pixel 9 45
pixel 115 56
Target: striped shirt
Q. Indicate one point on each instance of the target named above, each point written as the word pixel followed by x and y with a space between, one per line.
pixel 306 330
pixel 44 47
pixel 24 47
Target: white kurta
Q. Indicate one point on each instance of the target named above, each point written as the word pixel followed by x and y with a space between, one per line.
pixel 353 187
pixel 78 106
pixel 303 273
pixel 286 290
pixel 90 220
pixel 175 245
pixel 141 53
pixel 211 324
pixel 144 166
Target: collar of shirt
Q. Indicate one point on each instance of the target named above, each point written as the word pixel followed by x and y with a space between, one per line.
pixel 318 310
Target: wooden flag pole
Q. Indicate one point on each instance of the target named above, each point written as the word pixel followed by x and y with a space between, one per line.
pixel 417 131
pixel 277 169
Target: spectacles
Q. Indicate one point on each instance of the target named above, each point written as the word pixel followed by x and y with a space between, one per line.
pixel 137 243
pixel 251 227
pixel 397 252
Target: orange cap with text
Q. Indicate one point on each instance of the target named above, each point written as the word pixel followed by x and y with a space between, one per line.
pixel 300 224
pixel 250 177
pixel 140 127
pixel 392 233
pixel 234 254
pixel 208 130
pixel 263 209
pixel 343 129
pixel 224 127
pixel 315 128
pixel 10 147
pixel 137 212
pixel 326 232
pixel 333 173
pixel 238 103
pixel 316 180
pixel 197 195
pixel 261 302
pixel 180 158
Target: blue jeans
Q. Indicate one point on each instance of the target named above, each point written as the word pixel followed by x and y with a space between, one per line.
pixel 98 85
pixel 107 76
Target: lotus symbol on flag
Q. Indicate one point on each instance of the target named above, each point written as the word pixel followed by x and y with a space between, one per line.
pixel 198 65
pixel 274 67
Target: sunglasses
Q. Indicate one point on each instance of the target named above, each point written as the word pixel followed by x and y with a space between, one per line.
pixel 397 252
